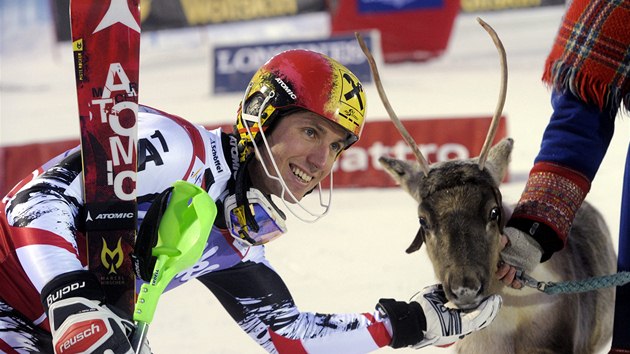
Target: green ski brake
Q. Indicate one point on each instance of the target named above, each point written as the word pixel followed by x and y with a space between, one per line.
pixel 182 236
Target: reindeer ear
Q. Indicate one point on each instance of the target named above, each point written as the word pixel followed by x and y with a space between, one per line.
pixel 404 173
pixel 398 169
pixel 417 242
pixel 499 159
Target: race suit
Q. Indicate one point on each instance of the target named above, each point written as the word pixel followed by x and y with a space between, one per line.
pixel 42 237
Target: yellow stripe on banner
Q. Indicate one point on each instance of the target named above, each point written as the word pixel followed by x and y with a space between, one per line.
pixel 485 5
pixel 200 12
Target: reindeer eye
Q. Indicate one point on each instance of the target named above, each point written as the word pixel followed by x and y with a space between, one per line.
pixel 495 214
pixel 423 222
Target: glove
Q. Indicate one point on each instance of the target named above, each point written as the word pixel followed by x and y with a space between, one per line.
pixel 80 325
pixel 446 325
pixel 80 322
pixel 427 321
pixel 522 252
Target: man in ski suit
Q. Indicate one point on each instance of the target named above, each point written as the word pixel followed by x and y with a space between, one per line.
pixel 298 114
pixel 588 70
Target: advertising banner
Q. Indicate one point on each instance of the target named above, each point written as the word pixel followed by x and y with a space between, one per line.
pixel 165 14
pixel 439 139
pixel 410 30
pixel 234 66
pixel 345 14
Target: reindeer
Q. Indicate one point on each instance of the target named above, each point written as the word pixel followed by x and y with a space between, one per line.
pixel 461 216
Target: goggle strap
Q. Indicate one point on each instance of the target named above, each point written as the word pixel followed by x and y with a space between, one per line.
pixel 241 194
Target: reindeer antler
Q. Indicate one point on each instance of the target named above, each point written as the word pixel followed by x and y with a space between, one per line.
pixel 424 165
pixel 492 132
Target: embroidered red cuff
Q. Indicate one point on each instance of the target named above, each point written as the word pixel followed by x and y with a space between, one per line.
pixel 552 196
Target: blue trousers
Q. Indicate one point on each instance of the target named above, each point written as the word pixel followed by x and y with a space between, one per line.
pixel 621 332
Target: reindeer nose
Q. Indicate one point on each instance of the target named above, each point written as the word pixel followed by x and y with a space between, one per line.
pixel 464 289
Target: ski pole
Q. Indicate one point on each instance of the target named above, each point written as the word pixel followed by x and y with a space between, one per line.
pixel 182 236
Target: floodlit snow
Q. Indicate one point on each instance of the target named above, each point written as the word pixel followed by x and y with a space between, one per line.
pixel 355 255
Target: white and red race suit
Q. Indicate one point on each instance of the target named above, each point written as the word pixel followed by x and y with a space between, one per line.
pixel 41 237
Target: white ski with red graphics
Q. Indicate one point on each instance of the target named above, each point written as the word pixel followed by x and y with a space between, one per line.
pixel 106 47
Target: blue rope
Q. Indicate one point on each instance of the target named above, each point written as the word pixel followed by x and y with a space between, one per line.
pixel 579 286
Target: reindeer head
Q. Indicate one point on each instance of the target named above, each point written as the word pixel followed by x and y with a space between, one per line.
pixel 461 219
pixel 460 210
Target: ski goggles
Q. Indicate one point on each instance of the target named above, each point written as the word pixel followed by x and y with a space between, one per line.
pixel 269 220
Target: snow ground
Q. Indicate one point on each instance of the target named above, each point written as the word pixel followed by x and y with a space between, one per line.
pixel 355 255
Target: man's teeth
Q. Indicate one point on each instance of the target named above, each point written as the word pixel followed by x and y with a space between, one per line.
pixel 302 175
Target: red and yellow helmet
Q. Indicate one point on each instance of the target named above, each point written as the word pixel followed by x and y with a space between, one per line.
pixel 301 79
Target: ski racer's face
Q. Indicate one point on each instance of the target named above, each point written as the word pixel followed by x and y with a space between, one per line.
pixel 305 147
